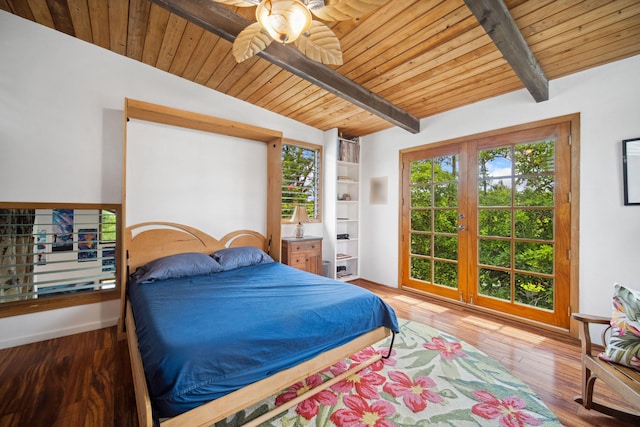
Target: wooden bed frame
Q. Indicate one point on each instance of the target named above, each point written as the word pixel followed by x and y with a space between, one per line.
pixel 148 241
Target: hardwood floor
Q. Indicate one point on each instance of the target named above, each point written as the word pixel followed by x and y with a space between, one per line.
pixel 85 379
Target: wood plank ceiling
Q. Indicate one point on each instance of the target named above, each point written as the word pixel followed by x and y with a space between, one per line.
pixel 423 56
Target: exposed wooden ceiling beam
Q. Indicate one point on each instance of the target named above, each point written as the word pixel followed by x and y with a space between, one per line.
pixel 496 20
pixel 224 23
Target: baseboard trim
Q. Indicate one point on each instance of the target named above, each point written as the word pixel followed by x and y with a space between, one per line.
pixel 57 333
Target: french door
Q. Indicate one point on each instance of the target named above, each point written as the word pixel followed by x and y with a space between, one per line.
pixel 487 222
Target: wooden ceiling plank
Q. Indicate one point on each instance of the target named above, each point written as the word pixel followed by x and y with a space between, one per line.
pixel 200 54
pixel 158 19
pixel 458 97
pixel 118 26
pixel 99 14
pixel 4 5
pixel 329 112
pixel 525 8
pixel 583 42
pixel 257 76
pixel 403 67
pixel 176 26
pixel 495 18
pixel 324 108
pixel 307 101
pixel 421 35
pixel 366 30
pixel 59 12
pixel 219 51
pixel 226 65
pixel 218 19
pixel 263 81
pixel 22 9
pixel 607 18
pixel 293 87
pixel 357 40
pixel 188 43
pixel 470 87
pixel 446 74
pixel 237 72
pixel 499 86
pixel 447 84
pixel 604 55
pixel 273 88
pixel 352 126
pixel 549 17
pixel 137 27
pixel 590 46
pixel 79 11
pixel 42 13
pixel 467 42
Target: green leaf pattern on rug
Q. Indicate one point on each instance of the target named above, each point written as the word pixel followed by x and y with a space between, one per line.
pixel 431 379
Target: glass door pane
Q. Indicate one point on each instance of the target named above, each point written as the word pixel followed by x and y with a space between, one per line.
pixel 432 222
pixel 515 223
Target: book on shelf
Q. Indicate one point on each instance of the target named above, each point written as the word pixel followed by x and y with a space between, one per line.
pixel 343 256
pixel 349 150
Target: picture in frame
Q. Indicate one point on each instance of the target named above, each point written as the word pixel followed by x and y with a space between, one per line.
pixel 631 170
pixel 62 222
pixel 87 244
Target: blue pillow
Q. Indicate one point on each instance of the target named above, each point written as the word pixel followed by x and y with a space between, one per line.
pixel 243 256
pixel 174 266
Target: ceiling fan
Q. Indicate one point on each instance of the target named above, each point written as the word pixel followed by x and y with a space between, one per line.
pixel 290 21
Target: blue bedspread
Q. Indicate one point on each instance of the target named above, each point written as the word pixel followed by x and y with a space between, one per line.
pixel 205 336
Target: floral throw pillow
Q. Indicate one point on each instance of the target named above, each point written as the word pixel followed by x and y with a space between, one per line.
pixel 623 346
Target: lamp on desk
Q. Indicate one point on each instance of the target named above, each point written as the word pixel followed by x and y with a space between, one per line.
pixel 300 217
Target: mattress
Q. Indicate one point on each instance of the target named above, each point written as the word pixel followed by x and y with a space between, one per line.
pixel 204 336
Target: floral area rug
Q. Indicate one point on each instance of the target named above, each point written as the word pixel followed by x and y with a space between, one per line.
pixel 430 379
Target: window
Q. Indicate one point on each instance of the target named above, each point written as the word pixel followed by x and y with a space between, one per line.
pixel 301 177
pixel 107 226
pixel 58 254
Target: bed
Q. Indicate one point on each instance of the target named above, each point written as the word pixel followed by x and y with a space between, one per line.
pixel 260 325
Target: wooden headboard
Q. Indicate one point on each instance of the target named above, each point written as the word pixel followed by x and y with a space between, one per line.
pixel 152 240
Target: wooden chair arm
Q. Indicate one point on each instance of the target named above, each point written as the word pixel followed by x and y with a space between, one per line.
pixel 591 318
pixel 585 336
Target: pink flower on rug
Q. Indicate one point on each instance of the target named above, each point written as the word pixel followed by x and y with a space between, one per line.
pixel 448 349
pixel 308 408
pixel 365 382
pixel 508 410
pixel 369 352
pixel 415 394
pixel 361 414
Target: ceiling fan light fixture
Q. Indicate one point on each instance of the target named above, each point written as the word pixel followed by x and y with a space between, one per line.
pixel 284 20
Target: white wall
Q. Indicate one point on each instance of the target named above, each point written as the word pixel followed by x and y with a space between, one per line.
pixel 607 100
pixel 61 136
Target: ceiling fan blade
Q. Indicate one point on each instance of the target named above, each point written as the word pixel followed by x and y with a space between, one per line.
pixel 320 44
pixel 250 41
pixel 239 3
pixel 344 9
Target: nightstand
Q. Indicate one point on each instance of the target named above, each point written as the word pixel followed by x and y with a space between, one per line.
pixel 303 254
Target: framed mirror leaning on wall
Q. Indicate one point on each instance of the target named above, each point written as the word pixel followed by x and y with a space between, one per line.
pixel 55 255
pixel 631 170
